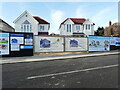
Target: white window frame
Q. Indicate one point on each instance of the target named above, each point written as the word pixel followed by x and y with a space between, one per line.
pixel 88 26
pixel 69 27
pixel 77 27
pixel 41 27
pixel 26 28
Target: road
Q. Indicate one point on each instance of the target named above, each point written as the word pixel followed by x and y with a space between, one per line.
pixel 87 72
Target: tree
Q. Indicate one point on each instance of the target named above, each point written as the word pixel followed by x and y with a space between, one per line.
pixel 100 31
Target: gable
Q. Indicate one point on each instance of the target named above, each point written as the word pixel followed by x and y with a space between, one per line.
pixel 68 21
pixel 25 16
pixel 88 22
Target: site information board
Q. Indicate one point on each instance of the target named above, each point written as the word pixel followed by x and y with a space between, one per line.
pixel 97 43
pixel 48 44
pixel 4 43
pixel 16 44
pixel 15 40
pixel 75 44
pixel 115 41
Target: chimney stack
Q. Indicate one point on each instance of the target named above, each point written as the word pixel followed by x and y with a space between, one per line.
pixel 110 23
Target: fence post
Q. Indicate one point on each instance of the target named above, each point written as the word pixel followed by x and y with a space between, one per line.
pixel 87 45
pixel 64 44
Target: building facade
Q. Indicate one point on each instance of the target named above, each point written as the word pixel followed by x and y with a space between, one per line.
pixel 5 27
pixel 77 27
pixel 33 24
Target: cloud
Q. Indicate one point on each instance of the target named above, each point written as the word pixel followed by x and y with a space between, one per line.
pixel 80 12
pixel 56 19
pixel 103 17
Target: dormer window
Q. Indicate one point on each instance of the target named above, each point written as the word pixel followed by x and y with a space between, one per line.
pixel 26 26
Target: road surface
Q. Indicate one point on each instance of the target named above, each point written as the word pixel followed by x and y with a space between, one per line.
pixel 87 72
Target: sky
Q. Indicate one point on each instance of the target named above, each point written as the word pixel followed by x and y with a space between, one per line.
pixel 99 13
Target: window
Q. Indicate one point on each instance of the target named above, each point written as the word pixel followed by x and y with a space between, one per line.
pixel 26 26
pixel 87 26
pixel 68 27
pixel 77 27
pixel 42 28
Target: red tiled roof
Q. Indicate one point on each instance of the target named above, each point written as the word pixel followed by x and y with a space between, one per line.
pixel 76 20
pixel 40 20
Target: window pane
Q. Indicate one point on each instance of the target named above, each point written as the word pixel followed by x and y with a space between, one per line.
pixel 27 27
pixel 24 28
pixel 41 27
pixel 77 27
pixel 26 22
pixel 68 27
pixel 30 28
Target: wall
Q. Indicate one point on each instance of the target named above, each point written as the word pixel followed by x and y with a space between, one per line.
pixel 75 44
pixel 48 44
pixel 78 31
pixel 46 27
pixel 56 44
pixel 30 18
pixel 99 43
pixel 91 31
pixel 63 29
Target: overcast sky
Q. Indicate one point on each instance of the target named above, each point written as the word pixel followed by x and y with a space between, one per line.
pixel 56 12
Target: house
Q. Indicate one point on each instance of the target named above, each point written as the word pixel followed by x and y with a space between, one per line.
pixel 5 27
pixel 112 29
pixel 77 27
pixel 34 24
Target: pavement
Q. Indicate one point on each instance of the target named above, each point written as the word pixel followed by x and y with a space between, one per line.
pixel 100 71
pixel 8 60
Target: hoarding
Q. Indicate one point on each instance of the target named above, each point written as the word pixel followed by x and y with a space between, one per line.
pixel 15 40
pixel 97 43
pixel 75 44
pixel 28 39
pixel 48 44
pixel 4 43
pixel 115 41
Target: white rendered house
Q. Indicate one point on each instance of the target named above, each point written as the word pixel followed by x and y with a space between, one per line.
pixel 77 26
pixel 34 24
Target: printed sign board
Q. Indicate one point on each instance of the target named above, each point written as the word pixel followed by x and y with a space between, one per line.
pixel 97 43
pixel 48 44
pixel 28 39
pixel 75 44
pixel 117 41
pixel 15 47
pixel 16 38
pixel 4 43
